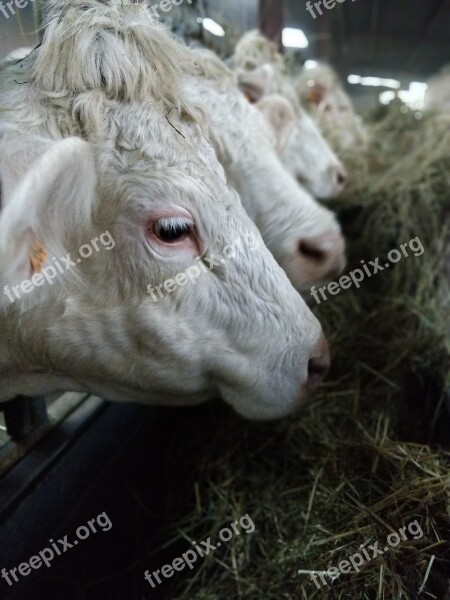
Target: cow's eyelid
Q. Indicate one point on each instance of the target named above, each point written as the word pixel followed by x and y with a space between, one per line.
pixel 175 223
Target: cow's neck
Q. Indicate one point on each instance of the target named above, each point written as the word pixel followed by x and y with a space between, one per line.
pixel 21 371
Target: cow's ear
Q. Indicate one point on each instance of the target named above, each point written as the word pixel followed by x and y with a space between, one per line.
pixel 280 115
pixel 316 94
pixel 45 205
pixel 256 84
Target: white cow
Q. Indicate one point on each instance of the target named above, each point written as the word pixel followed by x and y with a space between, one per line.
pixel 321 90
pixel 304 152
pixel 254 50
pixel 98 137
pixel 303 236
pixel 301 146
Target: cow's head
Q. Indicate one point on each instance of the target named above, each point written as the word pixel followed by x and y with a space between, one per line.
pixel 332 110
pixel 148 316
pixel 183 302
pixel 302 148
pixel 304 237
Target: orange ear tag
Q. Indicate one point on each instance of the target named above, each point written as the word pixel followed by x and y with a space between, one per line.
pixel 38 256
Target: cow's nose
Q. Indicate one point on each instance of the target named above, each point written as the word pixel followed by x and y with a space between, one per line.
pixel 342 177
pixel 339 178
pixel 321 257
pixel 318 365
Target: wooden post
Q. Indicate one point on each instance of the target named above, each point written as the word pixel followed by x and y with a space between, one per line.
pixel 271 20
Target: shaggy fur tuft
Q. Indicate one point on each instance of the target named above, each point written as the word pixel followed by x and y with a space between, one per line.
pixel 115 47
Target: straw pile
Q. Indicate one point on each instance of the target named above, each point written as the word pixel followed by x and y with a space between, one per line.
pixel 363 459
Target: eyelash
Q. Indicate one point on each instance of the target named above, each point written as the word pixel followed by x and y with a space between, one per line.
pixel 172 230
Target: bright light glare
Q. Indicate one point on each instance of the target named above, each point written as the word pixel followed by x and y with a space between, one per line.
pixel 294 38
pixel 387 97
pixel 354 79
pixel 310 64
pixel 416 87
pixel 414 97
pixel 374 81
pixel 213 27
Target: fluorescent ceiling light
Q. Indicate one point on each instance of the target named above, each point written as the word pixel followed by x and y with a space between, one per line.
pixel 374 81
pixel 387 97
pixel 213 27
pixel 294 38
pixel 417 87
pixel 354 79
pixel 310 64
pixel 414 97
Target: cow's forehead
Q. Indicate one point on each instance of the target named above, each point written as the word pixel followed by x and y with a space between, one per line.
pixel 165 139
pixel 153 157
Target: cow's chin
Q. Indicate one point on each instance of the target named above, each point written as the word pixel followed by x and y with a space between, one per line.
pixel 253 409
pixel 129 393
pixel 322 190
pixel 272 401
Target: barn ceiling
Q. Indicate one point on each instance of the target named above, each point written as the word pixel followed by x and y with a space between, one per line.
pixel 407 39
pixel 403 39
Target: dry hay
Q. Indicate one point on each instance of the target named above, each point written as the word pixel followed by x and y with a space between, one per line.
pixel 361 461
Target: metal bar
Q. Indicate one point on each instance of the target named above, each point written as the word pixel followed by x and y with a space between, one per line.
pixel 43 455
pixel 38 413
pixel 17 417
pixel 24 414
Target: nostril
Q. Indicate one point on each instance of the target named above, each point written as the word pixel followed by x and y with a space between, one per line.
pixel 319 258
pixel 342 178
pixel 312 250
pixel 318 367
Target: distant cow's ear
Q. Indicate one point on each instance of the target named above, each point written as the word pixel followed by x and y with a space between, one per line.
pixel 256 84
pixel 316 94
pixel 280 115
pixel 45 206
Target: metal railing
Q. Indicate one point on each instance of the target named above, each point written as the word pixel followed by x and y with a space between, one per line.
pixel 23 415
pixel 25 421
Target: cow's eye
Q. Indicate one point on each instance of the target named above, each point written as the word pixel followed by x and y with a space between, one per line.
pixel 172 230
